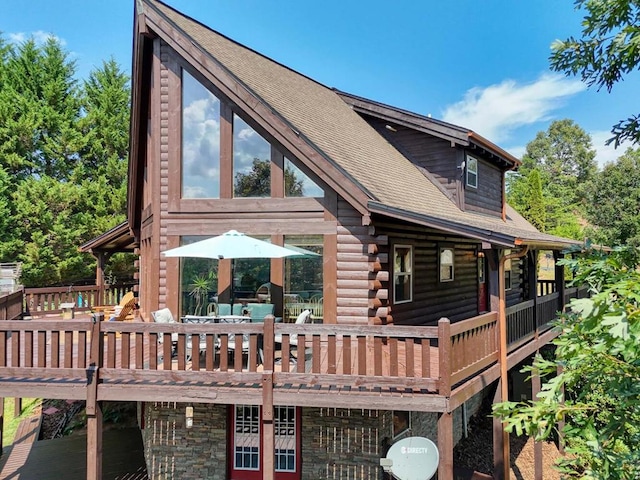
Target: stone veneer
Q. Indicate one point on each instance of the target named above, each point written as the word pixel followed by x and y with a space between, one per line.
pixel 336 443
pixel 173 451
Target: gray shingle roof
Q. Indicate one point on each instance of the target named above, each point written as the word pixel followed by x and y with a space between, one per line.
pixel 341 135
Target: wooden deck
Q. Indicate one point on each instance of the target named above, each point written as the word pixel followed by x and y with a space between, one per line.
pixel 410 368
pixel 123 458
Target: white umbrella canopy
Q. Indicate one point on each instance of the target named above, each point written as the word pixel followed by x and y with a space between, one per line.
pixel 230 245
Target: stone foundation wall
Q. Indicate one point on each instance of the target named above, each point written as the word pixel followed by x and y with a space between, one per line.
pixel 336 443
pixel 341 444
pixel 173 451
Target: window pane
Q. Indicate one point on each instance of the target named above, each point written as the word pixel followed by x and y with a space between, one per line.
pixel 472 172
pixel 303 277
pixel 402 265
pixel 297 183
pixel 251 161
pixel 247 437
pixel 446 264
pixel 198 281
pixel 200 140
pixel 249 275
pixel 402 288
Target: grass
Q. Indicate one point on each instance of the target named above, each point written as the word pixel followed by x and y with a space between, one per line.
pixel 11 423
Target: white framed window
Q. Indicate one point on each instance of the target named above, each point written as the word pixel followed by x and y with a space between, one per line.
pixel 472 172
pixel 402 273
pixel 246 446
pixel 447 255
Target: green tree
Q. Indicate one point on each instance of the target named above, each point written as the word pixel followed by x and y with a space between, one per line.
pixel 40 108
pixel 596 390
pixel 614 209
pixel 608 50
pixel 63 160
pixel 257 183
pixel 564 159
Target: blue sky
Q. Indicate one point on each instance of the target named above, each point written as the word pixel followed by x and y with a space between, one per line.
pixel 480 64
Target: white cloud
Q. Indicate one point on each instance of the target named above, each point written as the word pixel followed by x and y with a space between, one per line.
pixel 607 153
pixel 40 37
pixel 517 151
pixel 495 111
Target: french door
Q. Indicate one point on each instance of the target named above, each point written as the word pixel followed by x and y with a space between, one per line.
pixel 246 446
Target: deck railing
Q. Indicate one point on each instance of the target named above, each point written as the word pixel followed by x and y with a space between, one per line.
pixel 420 359
pixel 546 287
pixel 48 300
pixel 11 305
pixel 127 356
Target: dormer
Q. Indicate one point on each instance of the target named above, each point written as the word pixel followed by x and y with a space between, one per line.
pixel 469 169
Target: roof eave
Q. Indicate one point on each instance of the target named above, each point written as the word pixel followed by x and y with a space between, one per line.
pixel 480 234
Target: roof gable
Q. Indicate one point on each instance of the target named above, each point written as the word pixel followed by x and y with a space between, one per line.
pixel 319 128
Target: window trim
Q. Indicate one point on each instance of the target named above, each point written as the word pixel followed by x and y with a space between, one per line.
pixel 473 171
pixel 408 273
pixel 453 264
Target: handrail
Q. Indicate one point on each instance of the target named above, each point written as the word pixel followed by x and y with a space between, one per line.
pixel 335 355
pixel 48 300
pixel 11 305
pixel 426 359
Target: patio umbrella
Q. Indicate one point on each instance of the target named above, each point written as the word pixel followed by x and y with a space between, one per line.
pixel 232 245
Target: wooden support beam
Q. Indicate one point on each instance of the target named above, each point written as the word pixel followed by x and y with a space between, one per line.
pixel 93 407
pixel 268 433
pixel 498 440
pixel 537 448
pixel 94 442
pixel 445 445
pixel 17 407
pixel 444 353
pixel 1 424
pixel 559 276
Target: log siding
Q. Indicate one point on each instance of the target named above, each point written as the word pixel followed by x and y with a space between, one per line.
pixel 435 155
pixel 432 299
pixel 488 196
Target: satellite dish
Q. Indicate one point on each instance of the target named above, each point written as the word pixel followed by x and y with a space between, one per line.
pixel 412 458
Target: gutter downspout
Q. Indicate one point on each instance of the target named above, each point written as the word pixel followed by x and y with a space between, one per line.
pixel 504 369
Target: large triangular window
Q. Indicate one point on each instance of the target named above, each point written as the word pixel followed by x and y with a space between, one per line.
pixel 200 140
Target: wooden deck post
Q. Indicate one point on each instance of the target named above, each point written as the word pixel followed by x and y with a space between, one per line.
pixel 537 448
pixel 444 353
pixel 559 276
pixel 268 433
pixel 1 424
pixel 445 445
pixel 498 439
pixel 93 407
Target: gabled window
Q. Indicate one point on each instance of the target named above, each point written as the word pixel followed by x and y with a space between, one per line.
pixel 200 140
pixel 472 172
pixel 251 161
pixel 446 264
pixel 297 183
pixel 402 273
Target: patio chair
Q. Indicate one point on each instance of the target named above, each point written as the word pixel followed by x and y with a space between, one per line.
pixel 164 315
pixel 122 311
pixel 303 317
pixel 257 311
pixel 202 341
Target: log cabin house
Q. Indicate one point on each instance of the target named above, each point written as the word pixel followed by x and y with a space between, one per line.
pixel 423 282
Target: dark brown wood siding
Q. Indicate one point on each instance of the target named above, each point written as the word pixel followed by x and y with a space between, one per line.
pixel 432 299
pixel 487 197
pixel 515 294
pixel 434 154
